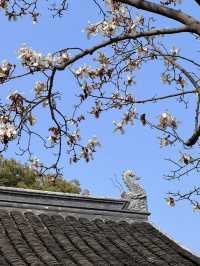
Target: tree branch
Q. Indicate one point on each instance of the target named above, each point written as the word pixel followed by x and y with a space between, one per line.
pixel 150 33
pixel 194 138
pixel 198 2
pixel 166 12
pixel 149 100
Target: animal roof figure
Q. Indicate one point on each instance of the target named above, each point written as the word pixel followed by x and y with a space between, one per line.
pixel 135 194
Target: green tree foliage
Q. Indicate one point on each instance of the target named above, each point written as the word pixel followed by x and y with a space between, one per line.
pixel 15 174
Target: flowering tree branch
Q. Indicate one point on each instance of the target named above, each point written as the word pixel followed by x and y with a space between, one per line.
pixel 114 40
pixel 171 13
pixel 133 40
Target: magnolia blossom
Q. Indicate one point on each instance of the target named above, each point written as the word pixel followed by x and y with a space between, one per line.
pixel 5 67
pixel 86 153
pixel 167 120
pixel 166 78
pixel 40 87
pixel 3 3
pixel 83 71
pixel 170 201
pixel 164 142
pixel 88 150
pixel 142 50
pixel 7 132
pixel 31 119
pixel 186 158
pixel 133 64
pixel 106 28
pixel 93 143
pixel 129 117
pixel 174 51
pixel 34 60
pixel 103 59
pixel 74 137
pixel 4 119
pixel 54 138
pixel 65 57
pixel 196 208
pixel 130 81
pixel 119 126
pixel 117 8
pixel 139 20
pixel 45 103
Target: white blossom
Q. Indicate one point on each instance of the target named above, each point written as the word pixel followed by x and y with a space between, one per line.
pixel 164 142
pixel 186 158
pixel 167 120
pixel 7 132
pixel 170 201
pixel 119 126
pixel 40 87
pixel 174 51
pixel 93 143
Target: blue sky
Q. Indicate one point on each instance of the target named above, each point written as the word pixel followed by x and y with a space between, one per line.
pixel 137 149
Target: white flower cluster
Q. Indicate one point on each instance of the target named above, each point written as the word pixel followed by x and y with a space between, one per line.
pixel 174 51
pixel 55 135
pixel 170 201
pixel 164 142
pixel 128 118
pixel 40 87
pixel 107 28
pixel 133 64
pixel 110 27
pixel 117 7
pixel 196 208
pixel 93 143
pixel 74 137
pixel 166 78
pixel 87 151
pixel 3 3
pixel 119 126
pixel 5 68
pixel 186 158
pixel 36 61
pixel 83 71
pixel 7 132
pixel 118 21
pixel 87 72
pixel 167 120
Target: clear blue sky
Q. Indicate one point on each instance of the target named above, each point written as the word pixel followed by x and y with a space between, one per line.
pixel 137 149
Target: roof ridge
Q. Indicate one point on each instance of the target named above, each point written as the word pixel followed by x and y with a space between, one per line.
pixel 63 203
pixel 59 193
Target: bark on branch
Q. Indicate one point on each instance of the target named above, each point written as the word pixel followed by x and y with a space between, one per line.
pixel 135 36
pixel 198 2
pixel 194 138
pixel 166 12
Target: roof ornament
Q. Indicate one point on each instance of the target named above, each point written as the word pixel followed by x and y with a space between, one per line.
pixel 135 194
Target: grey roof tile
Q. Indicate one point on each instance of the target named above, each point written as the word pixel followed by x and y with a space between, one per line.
pixel 34 231
pixel 31 239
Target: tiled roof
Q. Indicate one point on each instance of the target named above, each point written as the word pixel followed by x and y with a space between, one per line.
pixel 66 233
